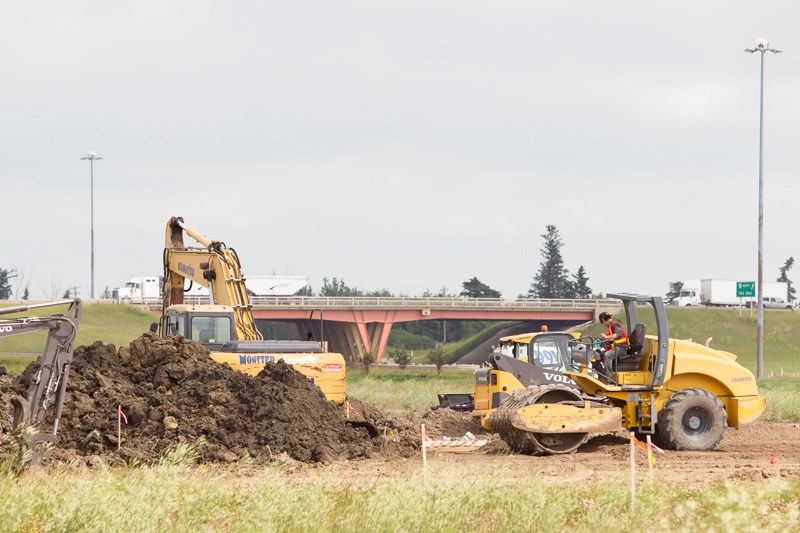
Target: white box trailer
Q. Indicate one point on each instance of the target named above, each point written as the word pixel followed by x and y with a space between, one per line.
pixel 275 285
pixel 722 292
pixel 148 288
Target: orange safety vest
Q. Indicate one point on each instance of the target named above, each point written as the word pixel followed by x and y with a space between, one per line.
pixel 624 339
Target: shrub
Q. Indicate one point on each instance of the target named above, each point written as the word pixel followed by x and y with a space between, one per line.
pixel 401 357
pixel 366 362
pixel 438 357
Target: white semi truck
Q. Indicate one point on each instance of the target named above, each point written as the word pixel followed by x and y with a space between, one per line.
pixel 139 290
pixel 722 292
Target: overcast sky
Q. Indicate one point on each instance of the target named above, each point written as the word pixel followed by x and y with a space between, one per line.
pixel 406 145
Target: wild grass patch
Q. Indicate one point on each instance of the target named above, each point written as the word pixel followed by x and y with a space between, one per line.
pixel 449 498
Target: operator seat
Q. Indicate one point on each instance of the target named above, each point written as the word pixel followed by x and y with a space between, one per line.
pixel 630 361
pixel 205 336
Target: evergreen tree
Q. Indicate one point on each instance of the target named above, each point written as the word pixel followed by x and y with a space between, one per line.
pixel 5 283
pixel 580 286
pixel 787 266
pixel 675 289
pixel 474 288
pixel 552 279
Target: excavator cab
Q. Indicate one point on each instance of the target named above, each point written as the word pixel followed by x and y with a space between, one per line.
pixel 210 327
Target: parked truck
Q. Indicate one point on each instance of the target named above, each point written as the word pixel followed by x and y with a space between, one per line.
pixel 722 293
pixel 138 290
pixel 689 294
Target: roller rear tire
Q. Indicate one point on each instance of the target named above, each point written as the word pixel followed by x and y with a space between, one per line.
pixel 693 420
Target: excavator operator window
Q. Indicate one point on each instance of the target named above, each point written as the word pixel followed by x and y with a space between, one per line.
pixel 211 329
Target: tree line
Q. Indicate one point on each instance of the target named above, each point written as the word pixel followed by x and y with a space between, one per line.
pixel 552 280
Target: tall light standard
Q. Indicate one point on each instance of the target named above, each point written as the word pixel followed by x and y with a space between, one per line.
pixel 762 46
pixel 92 157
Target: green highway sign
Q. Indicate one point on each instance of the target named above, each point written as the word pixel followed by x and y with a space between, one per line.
pixel 745 289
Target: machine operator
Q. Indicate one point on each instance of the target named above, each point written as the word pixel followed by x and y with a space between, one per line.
pixel 617 338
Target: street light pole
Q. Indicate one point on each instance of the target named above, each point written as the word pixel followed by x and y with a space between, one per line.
pixel 762 46
pixel 92 157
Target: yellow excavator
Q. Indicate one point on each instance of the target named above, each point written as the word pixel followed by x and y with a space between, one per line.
pixel 226 327
pixel 682 393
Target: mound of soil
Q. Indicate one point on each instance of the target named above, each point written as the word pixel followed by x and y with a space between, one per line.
pixel 172 392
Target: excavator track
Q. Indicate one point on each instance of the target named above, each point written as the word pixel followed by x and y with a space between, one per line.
pixel 508 422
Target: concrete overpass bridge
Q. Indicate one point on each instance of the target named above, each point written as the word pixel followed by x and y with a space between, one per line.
pixel 361 325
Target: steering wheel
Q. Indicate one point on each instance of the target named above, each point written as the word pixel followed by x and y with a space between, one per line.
pixel 594 343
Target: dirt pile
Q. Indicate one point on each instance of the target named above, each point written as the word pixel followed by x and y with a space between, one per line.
pixel 172 392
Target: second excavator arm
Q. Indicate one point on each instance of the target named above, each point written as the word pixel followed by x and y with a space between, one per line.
pixel 49 385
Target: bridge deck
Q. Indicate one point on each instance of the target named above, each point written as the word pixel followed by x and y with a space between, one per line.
pixel 355 326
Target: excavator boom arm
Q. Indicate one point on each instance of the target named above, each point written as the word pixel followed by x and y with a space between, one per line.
pixel 214 266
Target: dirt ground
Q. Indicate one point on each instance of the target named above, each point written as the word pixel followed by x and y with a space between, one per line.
pixel 171 393
pixel 759 452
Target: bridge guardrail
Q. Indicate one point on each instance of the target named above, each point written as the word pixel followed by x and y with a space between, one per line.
pixel 367 302
pixel 431 303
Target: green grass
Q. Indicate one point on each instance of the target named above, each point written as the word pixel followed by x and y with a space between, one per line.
pixel 15 363
pixel 405 391
pixel 783 397
pixel 459 349
pixel 111 324
pixel 449 498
